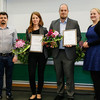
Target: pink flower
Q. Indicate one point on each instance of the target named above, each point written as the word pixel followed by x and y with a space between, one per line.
pixel 50 30
pixel 55 33
pixel 49 33
pixel 19 44
pixel 17 40
pixel 81 44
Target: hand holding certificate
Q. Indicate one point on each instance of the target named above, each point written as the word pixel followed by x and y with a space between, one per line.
pixel 36 43
pixel 70 37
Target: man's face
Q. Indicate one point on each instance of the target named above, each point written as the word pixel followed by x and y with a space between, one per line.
pixel 3 19
pixel 63 11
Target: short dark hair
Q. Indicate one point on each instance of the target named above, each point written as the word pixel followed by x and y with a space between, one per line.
pixel 4 13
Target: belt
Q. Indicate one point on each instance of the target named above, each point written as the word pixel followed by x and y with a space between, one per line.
pixel 61 49
pixel 6 54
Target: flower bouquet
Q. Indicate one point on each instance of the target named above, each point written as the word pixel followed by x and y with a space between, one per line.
pixel 80 52
pixel 51 38
pixel 20 49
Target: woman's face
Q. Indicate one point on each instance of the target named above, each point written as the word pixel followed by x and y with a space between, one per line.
pixel 94 15
pixel 35 19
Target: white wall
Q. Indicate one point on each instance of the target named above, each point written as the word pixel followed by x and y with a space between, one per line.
pixel 20 10
pixel 3 5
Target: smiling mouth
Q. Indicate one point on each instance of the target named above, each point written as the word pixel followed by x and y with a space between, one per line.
pixel 3 22
pixel 93 17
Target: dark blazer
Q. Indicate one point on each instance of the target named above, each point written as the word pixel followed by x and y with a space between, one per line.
pixel 71 24
pixel 43 31
pixel 97 30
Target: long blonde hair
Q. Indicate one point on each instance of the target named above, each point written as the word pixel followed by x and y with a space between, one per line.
pixel 30 28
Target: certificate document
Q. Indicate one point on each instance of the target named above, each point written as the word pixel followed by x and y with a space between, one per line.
pixel 70 37
pixel 36 43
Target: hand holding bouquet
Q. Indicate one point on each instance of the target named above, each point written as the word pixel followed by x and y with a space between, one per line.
pixel 51 38
pixel 20 49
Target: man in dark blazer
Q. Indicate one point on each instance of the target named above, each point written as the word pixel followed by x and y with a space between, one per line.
pixel 64 57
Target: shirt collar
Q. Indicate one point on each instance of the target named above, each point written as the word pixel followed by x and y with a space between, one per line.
pixel 64 21
pixel 5 28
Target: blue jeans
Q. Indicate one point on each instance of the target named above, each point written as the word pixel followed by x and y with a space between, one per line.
pixel 7 65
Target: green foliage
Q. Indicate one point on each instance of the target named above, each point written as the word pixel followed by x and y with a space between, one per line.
pixel 80 53
pixel 23 57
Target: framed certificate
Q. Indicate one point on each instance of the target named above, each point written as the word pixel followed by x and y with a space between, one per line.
pixel 36 43
pixel 70 37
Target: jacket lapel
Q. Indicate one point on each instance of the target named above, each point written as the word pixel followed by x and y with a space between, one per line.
pixel 41 30
pixel 68 24
pixel 58 26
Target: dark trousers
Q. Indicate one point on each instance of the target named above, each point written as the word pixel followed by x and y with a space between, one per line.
pixel 96 81
pixel 64 67
pixel 36 60
pixel 7 64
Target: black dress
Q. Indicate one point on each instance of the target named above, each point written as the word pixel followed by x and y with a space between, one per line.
pixel 38 60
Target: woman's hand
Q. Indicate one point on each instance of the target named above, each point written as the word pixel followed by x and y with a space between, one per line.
pixel 44 43
pixel 53 43
pixel 85 45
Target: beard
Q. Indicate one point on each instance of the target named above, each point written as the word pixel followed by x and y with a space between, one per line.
pixel 3 22
pixel 63 17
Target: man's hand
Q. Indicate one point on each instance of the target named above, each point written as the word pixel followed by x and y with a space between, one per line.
pixel 15 59
pixel 68 46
